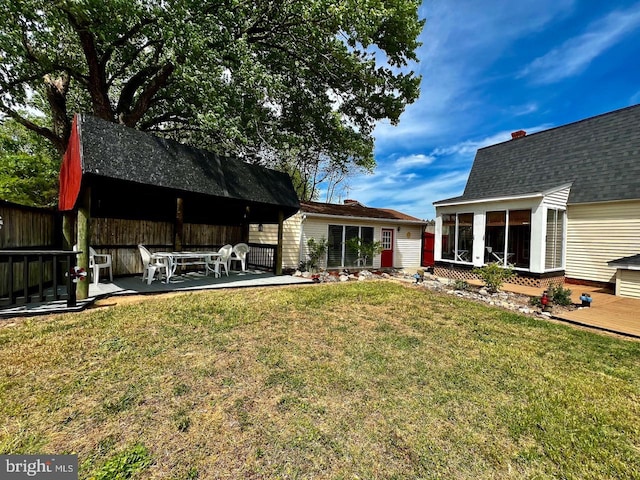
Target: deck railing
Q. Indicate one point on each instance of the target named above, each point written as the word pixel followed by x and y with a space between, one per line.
pixel 28 276
pixel 262 257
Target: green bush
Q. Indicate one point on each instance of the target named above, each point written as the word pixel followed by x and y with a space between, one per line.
pixel 315 251
pixel 559 295
pixel 494 275
pixel 461 285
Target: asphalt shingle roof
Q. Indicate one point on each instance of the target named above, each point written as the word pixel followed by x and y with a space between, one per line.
pixel 355 210
pixel 598 156
pixel 113 151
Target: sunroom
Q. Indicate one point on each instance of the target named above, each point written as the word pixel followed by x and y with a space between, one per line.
pixel 524 232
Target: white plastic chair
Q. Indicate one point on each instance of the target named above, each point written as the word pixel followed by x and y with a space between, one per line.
pixel 221 260
pixel 152 265
pixel 98 261
pixel 240 251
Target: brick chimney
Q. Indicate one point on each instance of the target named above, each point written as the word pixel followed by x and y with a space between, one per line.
pixel 518 134
pixel 349 201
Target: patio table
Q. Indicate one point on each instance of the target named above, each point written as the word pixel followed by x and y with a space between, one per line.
pixel 183 259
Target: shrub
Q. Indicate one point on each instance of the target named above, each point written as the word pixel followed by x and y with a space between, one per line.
pixel 559 295
pixel 363 249
pixel 494 275
pixel 461 285
pixel 315 251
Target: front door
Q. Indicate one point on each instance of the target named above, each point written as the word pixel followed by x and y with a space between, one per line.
pixel 386 260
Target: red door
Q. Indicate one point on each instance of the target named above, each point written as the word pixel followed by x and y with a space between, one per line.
pixel 428 247
pixel 386 260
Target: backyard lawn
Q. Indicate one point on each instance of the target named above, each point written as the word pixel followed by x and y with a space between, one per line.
pixel 360 380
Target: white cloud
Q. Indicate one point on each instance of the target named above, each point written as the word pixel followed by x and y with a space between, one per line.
pixel 459 43
pixel 575 54
pixel 413 161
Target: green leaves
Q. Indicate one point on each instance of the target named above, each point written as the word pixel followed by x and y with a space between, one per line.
pixel 269 81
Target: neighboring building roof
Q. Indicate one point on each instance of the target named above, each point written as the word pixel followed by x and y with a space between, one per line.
pixel 598 156
pixel 356 209
pixel 111 154
pixel 632 262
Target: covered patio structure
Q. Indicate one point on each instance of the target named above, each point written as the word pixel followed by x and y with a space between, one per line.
pixel 122 187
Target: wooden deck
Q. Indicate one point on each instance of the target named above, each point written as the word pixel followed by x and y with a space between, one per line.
pixel 609 313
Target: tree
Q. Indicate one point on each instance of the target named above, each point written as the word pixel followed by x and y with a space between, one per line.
pixel 28 167
pixel 285 83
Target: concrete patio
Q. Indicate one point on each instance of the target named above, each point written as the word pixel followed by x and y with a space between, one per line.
pixel 133 285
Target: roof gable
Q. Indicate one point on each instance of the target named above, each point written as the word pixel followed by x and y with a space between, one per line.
pixel 598 156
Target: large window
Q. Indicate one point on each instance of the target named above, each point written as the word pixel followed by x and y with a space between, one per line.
pixel 555 229
pixel 338 255
pixel 457 237
pixel 507 238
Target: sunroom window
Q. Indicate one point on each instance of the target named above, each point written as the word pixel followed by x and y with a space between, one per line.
pixel 510 229
pixel 553 250
pixel 457 237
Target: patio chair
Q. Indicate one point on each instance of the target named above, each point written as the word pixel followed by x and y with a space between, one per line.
pixel 98 261
pixel 221 260
pixel 152 265
pixel 240 251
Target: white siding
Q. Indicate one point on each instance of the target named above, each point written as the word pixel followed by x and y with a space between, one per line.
pixel 557 199
pixel 290 239
pixel 629 283
pixel 407 248
pixel 316 229
pixel 599 233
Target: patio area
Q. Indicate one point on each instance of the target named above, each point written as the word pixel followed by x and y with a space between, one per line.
pixel 133 285
pixel 608 312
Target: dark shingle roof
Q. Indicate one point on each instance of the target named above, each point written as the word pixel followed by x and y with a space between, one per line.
pixel 633 260
pixel 355 210
pixel 116 152
pixel 113 154
pixel 598 156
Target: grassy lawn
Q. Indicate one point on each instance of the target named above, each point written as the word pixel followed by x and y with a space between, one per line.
pixel 360 380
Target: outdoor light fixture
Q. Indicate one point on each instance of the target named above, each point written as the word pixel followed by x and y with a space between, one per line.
pixel 1 223
pixel 261 227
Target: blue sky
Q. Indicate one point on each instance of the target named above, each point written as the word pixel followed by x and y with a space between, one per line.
pixel 491 67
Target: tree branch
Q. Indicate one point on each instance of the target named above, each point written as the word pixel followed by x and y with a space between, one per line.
pixel 145 99
pixel 45 132
pixel 97 84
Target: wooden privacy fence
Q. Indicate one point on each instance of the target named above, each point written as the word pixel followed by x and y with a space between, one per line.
pixel 39 231
pixel 27 228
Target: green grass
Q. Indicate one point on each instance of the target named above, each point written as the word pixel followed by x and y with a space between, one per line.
pixel 372 380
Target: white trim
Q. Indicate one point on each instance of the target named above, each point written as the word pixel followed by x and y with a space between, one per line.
pixel 625 266
pixel 494 199
pixel 507 198
pixel 622 200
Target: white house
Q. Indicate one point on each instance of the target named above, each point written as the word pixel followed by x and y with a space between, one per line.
pixel 561 204
pixel 400 235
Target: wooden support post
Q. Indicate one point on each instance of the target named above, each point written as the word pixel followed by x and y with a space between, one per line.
pixel 68 219
pixel 278 259
pixel 178 227
pixel 84 217
pixel 245 225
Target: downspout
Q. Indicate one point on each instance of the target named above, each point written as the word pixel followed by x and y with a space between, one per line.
pixel 301 241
